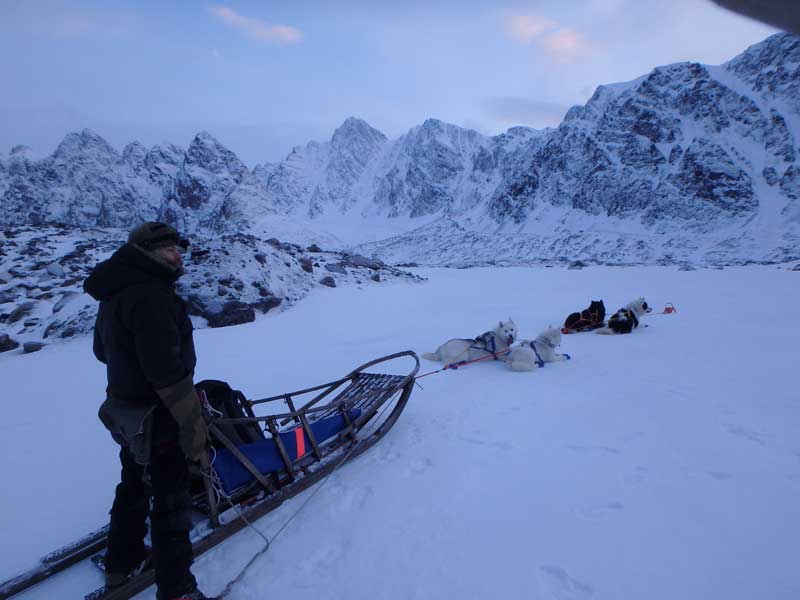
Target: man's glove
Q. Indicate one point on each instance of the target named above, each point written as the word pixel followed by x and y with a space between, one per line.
pixel 182 402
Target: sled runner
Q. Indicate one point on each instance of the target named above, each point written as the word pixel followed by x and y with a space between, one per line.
pixel 257 462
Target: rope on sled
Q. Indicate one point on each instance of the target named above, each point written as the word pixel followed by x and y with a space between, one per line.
pixel 455 365
pixel 216 483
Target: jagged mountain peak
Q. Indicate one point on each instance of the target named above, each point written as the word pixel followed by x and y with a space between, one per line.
pixel 204 139
pixel 168 151
pixel 779 48
pixel 437 133
pixel 21 150
pixel 357 131
pixel 208 153
pixel 686 149
pixel 20 160
pixel 86 139
pixel 134 154
pixel 432 126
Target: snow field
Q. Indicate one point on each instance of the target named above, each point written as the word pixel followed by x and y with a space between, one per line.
pixel 660 465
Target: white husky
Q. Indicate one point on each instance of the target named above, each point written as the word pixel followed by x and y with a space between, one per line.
pixel 626 319
pixel 492 342
pixel 531 354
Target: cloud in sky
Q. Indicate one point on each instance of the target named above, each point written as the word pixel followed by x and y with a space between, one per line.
pixel 256 28
pixel 565 44
pixel 526 28
pixel 561 43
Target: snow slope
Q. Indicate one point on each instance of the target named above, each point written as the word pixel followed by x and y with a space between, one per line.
pixel 661 465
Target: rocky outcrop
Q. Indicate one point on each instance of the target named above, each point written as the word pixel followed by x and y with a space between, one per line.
pixel 229 279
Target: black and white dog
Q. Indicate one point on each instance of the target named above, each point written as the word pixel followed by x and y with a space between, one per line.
pixel 626 319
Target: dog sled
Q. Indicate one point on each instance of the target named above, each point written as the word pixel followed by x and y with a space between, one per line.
pixel 258 462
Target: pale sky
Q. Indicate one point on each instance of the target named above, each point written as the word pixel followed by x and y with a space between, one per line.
pixel 263 76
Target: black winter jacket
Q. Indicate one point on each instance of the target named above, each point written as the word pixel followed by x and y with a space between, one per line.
pixel 143 333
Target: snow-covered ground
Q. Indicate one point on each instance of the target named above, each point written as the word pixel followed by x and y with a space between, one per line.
pixel 660 465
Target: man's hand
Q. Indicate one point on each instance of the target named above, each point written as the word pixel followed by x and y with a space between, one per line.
pixel 182 402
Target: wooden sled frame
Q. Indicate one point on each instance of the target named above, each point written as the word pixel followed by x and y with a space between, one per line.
pixel 366 392
pixel 267 492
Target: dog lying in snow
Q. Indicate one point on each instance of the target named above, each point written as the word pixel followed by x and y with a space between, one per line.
pixel 497 341
pixel 587 319
pixel 531 354
pixel 626 319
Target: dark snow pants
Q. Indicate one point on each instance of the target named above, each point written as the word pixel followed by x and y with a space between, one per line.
pixel 169 517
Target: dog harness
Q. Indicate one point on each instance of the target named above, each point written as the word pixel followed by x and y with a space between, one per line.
pixel 486 342
pixel 539 360
pixel 624 314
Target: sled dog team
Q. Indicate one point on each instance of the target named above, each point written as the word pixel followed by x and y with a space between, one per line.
pixel 531 354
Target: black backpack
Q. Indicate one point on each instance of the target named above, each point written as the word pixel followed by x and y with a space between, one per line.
pixel 233 405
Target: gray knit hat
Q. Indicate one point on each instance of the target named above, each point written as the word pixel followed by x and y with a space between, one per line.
pixel 152 235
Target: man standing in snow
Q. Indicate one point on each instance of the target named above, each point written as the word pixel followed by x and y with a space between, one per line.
pixel 144 336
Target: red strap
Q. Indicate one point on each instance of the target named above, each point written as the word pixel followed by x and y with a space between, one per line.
pixel 301 441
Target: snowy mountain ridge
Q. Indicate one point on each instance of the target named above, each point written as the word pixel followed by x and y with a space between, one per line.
pixel 687 163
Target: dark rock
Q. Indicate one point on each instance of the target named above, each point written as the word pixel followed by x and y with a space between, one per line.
pixel 576 264
pixel 336 268
pixel 30 322
pixel 796 267
pixel 29 347
pixel 69 332
pixel 6 343
pixel 356 260
pixel 274 242
pixel 770 175
pixel 375 277
pixel 328 281
pixel 267 304
pixel 232 313
pixel 221 291
pixel 262 258
pixel 7 296
pixel 306 265
pixel 21 311
pixel 314 248
pixel 686 267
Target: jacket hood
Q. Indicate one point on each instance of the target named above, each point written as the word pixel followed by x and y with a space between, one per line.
pixel 128 266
